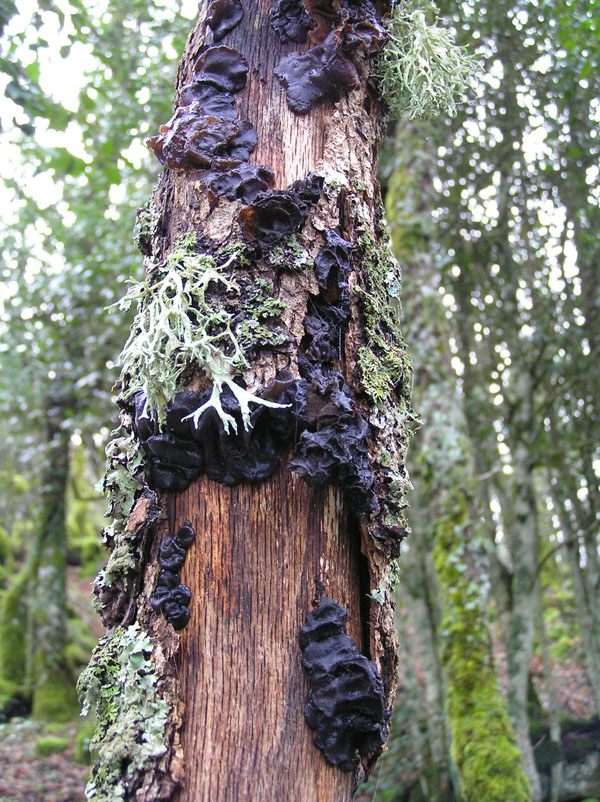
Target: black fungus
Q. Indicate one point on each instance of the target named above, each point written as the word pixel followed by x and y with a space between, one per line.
pixel 271 217
pixel 346 700
pixel 205 132
pixel 321 74
pixel 332 263
pixel 184 451
pixel 290 20
pixel 222 67
pixel 223 16
pixel 242 183
pixel 330 67
pixel 309 190
pixel 338 454
pixel 170 597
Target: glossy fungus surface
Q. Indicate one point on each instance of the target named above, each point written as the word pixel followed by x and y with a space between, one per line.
pixel 171 597
pixel 321 74
pixel 290 20
pixel 346 700
pixel 223 16
pixel 243 183
pixel 222 67
pixel 271 217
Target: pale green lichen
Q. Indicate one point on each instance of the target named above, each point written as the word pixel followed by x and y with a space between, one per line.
pixel 289 253
pixel 121 484
pixel 421 70
pixel 182 323
pixel 121 685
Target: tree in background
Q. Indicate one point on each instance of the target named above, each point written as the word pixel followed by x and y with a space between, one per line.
pixel 514 206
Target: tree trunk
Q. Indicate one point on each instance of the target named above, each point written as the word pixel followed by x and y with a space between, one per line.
pixel 51 682
pixel 229 691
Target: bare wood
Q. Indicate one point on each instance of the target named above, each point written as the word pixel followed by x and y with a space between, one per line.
pixel 259 554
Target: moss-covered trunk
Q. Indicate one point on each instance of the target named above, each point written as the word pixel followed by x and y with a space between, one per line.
pixel 264 395
pixel 483 746
pixel 48 676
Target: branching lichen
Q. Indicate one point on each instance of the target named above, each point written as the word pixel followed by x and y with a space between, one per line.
pixel 181 322
pixel 120 685
pixel 421 71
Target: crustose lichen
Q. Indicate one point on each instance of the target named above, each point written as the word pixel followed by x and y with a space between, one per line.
pixel 182 323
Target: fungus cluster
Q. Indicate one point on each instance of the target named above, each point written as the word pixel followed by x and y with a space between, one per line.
pixel 205 131
pixel 346 700
pixel 334 444
pixel 290 20
pixel 331 66
pixel 170 597
pixel 186 449
pixel 276 214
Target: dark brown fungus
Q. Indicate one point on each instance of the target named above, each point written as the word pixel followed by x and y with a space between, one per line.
pixel 290 20
pixel 242 183
pixel 346 700
pixel 221 67
pixel 271 217
pixel 192 140
pixel 339 455
pixel 212 102
pixel 321 74
pixel 223 16
pixel 332 263
pixel 171 597
pixel 324 17
pixel 367 35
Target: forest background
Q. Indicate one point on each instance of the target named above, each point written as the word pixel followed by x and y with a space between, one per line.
pixel 494 217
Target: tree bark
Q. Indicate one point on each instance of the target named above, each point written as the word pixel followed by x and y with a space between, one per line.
pixel 266 551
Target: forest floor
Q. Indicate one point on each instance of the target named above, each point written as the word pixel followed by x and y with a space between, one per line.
pixel 26 776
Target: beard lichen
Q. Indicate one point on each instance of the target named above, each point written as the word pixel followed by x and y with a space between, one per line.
pixel 421 71
pixel 120 685
pixel 183 322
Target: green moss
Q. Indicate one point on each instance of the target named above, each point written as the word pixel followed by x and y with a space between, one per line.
pixel 13 624
pixel 483 743
pixel 259 310
pixel 83 738
pixel 81 519
pixel 55 698
pixel 50 745
pixel 120 685
pixel 146 223
pixel 289 254
pixel 383 360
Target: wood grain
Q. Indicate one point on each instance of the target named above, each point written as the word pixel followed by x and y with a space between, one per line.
pixel 260 552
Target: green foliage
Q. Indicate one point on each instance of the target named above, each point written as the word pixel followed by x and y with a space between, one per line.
pixel 83 738
pixel 421 71
pixel 120 685
pixel 50 745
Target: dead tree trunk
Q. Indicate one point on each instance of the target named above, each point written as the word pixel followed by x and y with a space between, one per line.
pixel 279 440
